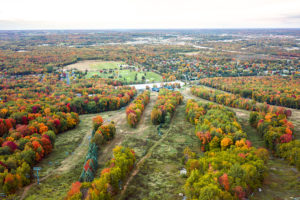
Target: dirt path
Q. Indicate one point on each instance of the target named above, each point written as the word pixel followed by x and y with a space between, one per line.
pixel 106 151
pixel 80 151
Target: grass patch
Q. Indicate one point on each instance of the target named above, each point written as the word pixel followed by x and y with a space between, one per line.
pixel 159 177
pixel 65 144
pixel 94 67
pixel 106 65
pixel 127 75
pixel 252 134
pixel 281 183
pixel 56 186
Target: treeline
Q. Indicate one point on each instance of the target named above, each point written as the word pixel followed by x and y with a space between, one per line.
pixel 275 90
pixel 230 167
pixel 236 101
pixel 111 178
pixel 135 110
pixel 165 106
pixel 278 134
pixel 96 104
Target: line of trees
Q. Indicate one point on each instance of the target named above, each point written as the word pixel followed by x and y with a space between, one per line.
pixel 271 122
pixel 165 106
pixel 236 101
pixel 135 110
pixel 100 135
pixel 111 180
pixel 278 134
pixel 274 89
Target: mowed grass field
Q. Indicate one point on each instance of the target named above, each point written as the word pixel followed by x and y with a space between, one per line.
pixel 94 68
pixel 127 75
pixel 106 65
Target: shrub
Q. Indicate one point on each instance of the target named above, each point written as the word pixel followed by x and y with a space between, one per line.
pixel 97 121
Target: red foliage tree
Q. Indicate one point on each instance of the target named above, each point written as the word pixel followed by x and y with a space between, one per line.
pixel 239 192
pixel 10 144
pixel 285 138
pixel 75 188
pixel 223 180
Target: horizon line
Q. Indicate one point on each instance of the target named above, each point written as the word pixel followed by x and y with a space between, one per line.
pixel 116 29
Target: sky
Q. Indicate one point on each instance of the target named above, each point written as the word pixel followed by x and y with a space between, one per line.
pixel 148 14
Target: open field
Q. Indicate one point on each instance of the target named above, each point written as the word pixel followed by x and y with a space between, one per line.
pixel 159 175
pixel 93 65
pixel 128 75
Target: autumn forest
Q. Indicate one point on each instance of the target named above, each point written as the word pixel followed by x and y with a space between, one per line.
pixel 208 114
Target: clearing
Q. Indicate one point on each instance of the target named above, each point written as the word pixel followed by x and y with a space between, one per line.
pixel 157 175
pixel 127 75
pixel 94 65
pixel 111 69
